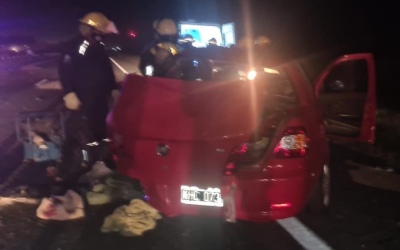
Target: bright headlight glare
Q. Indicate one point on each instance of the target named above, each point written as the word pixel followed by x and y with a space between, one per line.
pixel 251 75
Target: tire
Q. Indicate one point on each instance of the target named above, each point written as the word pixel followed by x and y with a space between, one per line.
pixel 320 199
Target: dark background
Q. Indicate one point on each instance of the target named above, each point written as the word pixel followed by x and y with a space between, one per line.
pixel 296 27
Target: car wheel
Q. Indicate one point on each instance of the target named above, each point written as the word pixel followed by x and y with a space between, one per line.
pixel 320 199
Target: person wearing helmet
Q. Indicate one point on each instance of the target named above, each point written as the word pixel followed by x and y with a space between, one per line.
pixel 241 49
pixel 258 47
pixel 188 41
pixel 212 43
pixel 88 83
pixel 262 41
pixel 165 31
pixel 164 58
pixel 245 43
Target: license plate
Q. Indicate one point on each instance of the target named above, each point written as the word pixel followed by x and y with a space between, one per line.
pixel 210 197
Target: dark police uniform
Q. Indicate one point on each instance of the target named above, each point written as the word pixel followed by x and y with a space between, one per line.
pixel 147 58
pixel 86 70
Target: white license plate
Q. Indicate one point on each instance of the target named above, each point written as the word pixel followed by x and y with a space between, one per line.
pixel 210 197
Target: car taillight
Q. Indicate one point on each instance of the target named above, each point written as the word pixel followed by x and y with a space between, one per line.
pixel 293 144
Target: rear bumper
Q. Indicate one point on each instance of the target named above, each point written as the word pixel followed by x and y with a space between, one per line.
pixel 266 199
pixel 258 200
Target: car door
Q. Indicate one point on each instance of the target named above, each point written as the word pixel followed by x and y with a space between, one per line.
pixel 346 92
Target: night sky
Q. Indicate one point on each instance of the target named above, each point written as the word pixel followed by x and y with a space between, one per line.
pixel 302 25
pixel 303 20
pixel 50 19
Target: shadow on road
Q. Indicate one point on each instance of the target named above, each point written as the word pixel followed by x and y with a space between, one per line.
pixel 361 217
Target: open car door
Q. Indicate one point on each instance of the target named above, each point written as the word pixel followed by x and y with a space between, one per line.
pixel 346 91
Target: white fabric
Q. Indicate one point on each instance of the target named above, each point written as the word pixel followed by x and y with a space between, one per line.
pixel 67 207
pixel 98 198
pixel 99 170
pixel 99 188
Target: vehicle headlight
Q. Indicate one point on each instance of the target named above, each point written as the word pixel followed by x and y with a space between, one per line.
pixel 251 74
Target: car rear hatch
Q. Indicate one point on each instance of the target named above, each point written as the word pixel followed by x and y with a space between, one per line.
pixel 171 133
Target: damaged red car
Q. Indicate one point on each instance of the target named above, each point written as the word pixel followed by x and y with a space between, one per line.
pixel 241 142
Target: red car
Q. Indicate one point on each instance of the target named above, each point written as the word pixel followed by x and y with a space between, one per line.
pixel 241 142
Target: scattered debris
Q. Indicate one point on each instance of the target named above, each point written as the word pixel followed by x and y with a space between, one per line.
pixel 67 207
pixel 48 85
pixel 40 82
pixel 38 140
pixel 99 170
pixel 132 220
pixel 376 168
pixel 368 176
pixel 112 187
pixel 13 200
pixel 123 187
pixel 99 195
pixel 51 172
pixel 41 134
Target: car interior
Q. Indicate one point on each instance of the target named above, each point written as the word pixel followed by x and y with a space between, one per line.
pixel 343 98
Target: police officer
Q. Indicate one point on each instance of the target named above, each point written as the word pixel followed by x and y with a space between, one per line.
pixel 246 43
pixel 240 51
pixel 257 47
pixel 88 82
pixel 166 32
pixel 212 43
pixel 262 41
pixel 187 42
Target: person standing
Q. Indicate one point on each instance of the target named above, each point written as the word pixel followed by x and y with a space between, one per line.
pixel 88 83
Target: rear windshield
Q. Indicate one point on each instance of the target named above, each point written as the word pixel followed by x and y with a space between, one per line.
pixel 221 71
pixel 278 85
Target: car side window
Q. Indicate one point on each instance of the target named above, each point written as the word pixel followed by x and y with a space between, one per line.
pixel 347 77
pixel 278 85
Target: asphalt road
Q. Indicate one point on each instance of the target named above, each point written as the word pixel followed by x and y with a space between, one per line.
pixel 361 217
pixel 14 62
pixel 17 87
pixel 124 64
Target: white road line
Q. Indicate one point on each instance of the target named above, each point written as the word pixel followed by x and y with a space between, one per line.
pixel 119 66
pixel 303 235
